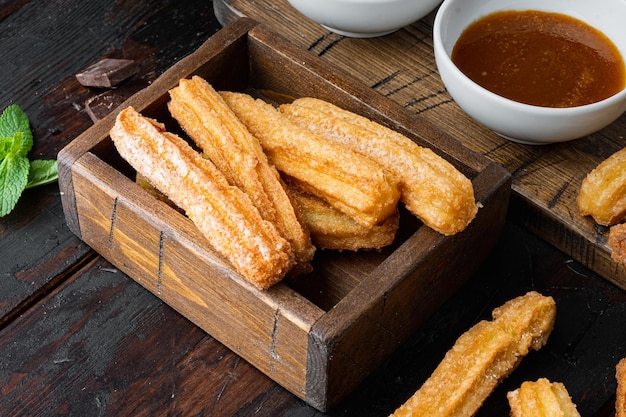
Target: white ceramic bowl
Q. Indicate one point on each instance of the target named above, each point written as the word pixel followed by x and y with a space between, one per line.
pixel 364 18
pixel 513 120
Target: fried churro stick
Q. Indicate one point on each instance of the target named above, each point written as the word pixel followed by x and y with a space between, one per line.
pixel 620 394
pixel 223 213
pixel 602 193
pixel 541 398
pixel 350 182
pixel 209 122
pixel 432 188
pixel 617 242
pixel 482 357
pixel 332 229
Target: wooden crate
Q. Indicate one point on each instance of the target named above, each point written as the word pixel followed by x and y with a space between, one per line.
pixel 321 335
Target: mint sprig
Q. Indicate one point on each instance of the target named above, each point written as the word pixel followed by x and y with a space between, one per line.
pixel 17 172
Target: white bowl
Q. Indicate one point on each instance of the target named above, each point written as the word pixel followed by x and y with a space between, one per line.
pixel 513 120
pixel 364 18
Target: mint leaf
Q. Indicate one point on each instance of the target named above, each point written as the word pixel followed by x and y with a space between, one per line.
pixel 5 146
pixel 42 172
pixel 16 171
pixel 14 125
pixel 13 179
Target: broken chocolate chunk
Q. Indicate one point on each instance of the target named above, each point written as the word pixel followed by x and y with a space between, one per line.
pixel 107 73
pixel 100 106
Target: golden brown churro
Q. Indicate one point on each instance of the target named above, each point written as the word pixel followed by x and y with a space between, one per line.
pixel 210 123
pixel 432 188
pixel 620 395
pixel 541 398
pixel 332 229
pixel 617 242
pixel 350 182
pixel 602 193
pixel 223 213
pixel 482 357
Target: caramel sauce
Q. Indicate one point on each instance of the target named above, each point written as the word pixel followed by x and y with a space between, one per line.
pixel 540 58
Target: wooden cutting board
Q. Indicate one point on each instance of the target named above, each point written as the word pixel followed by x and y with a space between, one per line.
pixel 401 66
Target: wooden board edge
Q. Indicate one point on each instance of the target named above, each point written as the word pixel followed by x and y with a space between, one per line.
pixel 596 257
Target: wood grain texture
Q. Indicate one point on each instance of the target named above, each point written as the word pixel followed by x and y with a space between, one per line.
pixel 319 355
pixel 122 355
pixel 101 345
pixel 582 335
pixel 40 58
pixel 37 250
pixel 171 259
pixel 401 66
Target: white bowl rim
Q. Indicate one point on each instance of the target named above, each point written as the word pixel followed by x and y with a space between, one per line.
pixel 360 1
pixel 528 108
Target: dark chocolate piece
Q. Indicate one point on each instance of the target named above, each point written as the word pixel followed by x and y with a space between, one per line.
pixel 108 72
pixel 98 107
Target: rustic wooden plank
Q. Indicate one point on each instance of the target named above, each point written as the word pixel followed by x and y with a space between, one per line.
pixel 40 58
pixel 102 345
pixel 36 250
pixel 581 352
pixel 401 66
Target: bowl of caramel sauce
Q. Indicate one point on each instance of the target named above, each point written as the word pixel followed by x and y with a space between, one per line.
pixel 533 71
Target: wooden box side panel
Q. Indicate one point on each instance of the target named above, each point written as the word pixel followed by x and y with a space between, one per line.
pixel 402 293
pixel 589 248
pixel 123 223
pixel 262 333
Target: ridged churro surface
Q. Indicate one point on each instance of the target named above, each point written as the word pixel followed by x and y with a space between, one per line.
pixel 223 213
pixel 620 394
pixel 432 188
pixel 350 182
pixel 205 117
pixel 602 193
pixel 541 398
pixel 482 357
pixel 332 229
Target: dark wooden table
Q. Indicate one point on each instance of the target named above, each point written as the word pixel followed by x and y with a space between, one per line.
pixel 79 338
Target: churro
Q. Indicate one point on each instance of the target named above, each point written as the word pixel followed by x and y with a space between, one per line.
pixel 348 181
pixel 431 187
pixel 620 394
pixel 541 398
pixel 210 123
pixel 482 357
pixel 602 193
pixel 332 229
pixel 223 213
pixel 617 242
